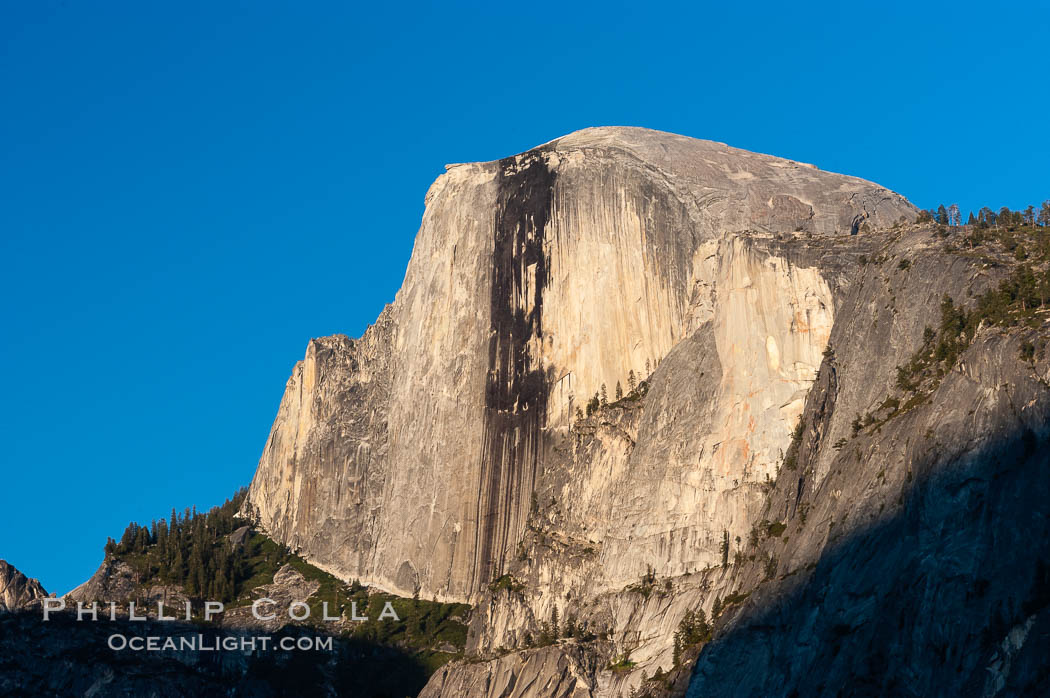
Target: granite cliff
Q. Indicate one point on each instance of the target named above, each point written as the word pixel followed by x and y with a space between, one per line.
pixel 18 592
pixel 632 375
pixel 409 458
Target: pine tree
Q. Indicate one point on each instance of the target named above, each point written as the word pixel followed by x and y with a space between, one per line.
pixel 605 396
pixel 570 626
pixel 982 216
pixel 619 391
pixel 632 382
pixel 942 215
pixel 141 540
pixel 177 572
pixel 725 548
pixel 971 220
pixel 191 585
pixel 700 620
pixel 1044 214
pixel 953 215
pixel 648 372
pixel 554 622
pixel 127 541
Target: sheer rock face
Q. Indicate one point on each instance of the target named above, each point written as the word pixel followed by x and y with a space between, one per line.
pixel 18 592
pixel 321 482
pixel 657 483
pixel 408 458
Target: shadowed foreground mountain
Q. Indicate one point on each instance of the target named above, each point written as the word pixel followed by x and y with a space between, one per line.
pixel 343 655
pixel 68 658
pixel 933 600
pixel 675 418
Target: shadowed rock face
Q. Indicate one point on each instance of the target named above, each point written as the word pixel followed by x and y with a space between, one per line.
pixel 17 592
pixel 408 458
pixel 64 657
pixel 915 556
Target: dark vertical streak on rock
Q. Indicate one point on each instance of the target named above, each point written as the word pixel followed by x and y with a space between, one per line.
pixel 516 388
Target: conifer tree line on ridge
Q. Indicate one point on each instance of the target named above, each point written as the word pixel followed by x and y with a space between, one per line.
pixel 189 550
pixel 987 218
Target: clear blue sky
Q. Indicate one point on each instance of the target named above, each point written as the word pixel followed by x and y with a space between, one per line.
pixel 188 193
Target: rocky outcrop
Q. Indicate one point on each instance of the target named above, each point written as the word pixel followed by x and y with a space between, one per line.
pixel 289 586
pixel 408 458
pixel 114 580
pixel 17 592
pixel 558 672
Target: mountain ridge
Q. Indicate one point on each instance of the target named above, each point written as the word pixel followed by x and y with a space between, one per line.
pixel 18 592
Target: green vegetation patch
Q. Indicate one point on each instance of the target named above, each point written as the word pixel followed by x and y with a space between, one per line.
pixel 194 551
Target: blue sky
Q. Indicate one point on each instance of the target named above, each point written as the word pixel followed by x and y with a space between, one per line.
pixel 188 193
